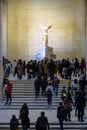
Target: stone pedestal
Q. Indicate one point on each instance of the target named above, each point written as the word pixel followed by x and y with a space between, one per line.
pixel 45 52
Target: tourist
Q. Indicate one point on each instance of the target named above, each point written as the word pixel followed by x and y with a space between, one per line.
pixel 68 102
pixel 42 122
pixel 8 90
pixel 25 123
pixel 69 83
pixel 45 67
pixel 24 113
pixel 80 104
pixel 14 68
pixel 55 84
pixel 61 115
pixel 5 84
pixel 75 85
pixel 44 84
pixel 49 93
pixel 24 67
pixel 63 93
pixel 51 68
pixel 14 123
pixel 37 85
pixel 29 69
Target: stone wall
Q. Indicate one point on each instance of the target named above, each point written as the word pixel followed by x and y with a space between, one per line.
pixel 1 74
pixel 24 35
pixel 86 34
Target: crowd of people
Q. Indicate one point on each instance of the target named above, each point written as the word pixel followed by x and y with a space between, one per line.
pixel 40 124
pixel 45 74
pixel 23 116
pixel 63 113
pixel 33 68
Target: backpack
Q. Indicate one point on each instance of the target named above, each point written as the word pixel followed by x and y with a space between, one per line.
pixel 63 93
pixel 49 92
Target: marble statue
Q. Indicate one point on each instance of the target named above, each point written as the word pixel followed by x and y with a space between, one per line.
pixel 45 51
pixel 45 30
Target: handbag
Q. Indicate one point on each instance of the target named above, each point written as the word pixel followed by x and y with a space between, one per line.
pixel 68 106
pixel 17 128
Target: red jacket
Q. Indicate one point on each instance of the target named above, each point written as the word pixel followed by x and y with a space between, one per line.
pixel 9 88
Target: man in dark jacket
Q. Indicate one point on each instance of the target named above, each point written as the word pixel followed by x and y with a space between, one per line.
pixel 37 85
pixel 61 114
pixel 55 84
pixel 14 123
pixel 80 104
pixel 42 122
pixel 51 67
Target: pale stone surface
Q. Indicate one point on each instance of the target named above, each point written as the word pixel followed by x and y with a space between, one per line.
pixel 0 53
pixel 24 36
pixel 5 115
pixel 4 45
pixel 45 52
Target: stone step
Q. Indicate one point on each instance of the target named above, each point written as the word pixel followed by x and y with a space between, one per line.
pixel 26 83
pixel 16 95
pixel 32 83
pixel 53 126
pixel 32 86
pixel 27 93
pixel 31 104
pixel 31 107
pixel 29 90
pixel 32 99
pixel 32 80
pixel 23 91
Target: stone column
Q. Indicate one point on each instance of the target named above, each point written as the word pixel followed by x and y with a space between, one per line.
pixel 1 63
pixel 4 45
pixel 86 33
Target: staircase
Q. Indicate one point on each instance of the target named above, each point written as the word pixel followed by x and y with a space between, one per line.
pixel 23 92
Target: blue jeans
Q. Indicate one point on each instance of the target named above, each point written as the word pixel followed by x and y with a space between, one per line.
pixel 61 123
pixel 55 90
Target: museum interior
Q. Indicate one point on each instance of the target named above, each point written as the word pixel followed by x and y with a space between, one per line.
pixel 34 30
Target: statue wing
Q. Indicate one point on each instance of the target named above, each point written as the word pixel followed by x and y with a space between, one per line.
pixel 44 28
pixel 49 27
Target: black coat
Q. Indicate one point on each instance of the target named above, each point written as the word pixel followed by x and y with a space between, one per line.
pixel 61 113
pixel 42 123
pixel 80 101
pixel 25 122
pixel 14 124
